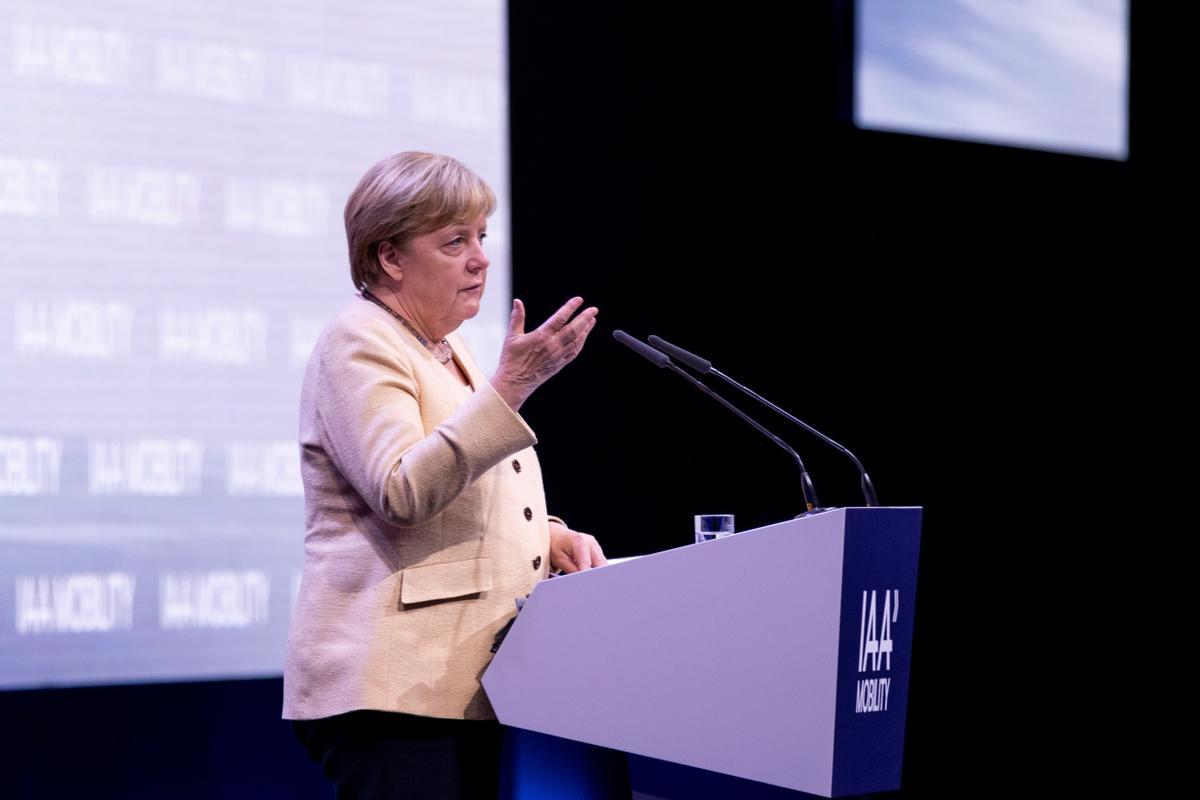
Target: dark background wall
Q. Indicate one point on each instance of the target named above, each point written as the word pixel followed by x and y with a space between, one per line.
pixel 972 320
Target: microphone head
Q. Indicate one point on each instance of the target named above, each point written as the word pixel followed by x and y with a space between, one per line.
pixel 641 348
pixel 679 354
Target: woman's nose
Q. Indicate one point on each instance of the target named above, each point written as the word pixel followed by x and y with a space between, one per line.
pixel 479 259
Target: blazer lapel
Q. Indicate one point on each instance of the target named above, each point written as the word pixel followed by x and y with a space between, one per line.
pixel 463 358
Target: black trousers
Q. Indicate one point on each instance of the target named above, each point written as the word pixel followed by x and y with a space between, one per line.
pixel 378 755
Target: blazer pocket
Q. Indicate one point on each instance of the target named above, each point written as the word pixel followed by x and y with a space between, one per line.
pixel 445 581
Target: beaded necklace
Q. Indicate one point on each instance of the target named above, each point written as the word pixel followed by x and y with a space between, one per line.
pixel 441 349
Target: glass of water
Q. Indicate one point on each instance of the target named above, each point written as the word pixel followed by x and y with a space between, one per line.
pixel 713 526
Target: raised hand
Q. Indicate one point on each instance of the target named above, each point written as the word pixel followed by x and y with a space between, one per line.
pixel 530 359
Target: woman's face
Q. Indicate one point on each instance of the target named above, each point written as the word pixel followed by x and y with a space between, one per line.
pixel 444 272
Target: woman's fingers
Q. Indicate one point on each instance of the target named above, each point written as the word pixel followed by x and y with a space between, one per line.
pixel 598 559
pixel 560 318
pixel 528 360
pixel 561 337
pixel 516 320
pixel 581 553
pixel 578 551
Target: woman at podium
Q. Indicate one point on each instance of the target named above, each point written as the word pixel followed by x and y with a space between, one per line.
pixel 425 516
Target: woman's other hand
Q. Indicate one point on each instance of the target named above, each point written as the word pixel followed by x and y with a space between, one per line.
pixel 572 551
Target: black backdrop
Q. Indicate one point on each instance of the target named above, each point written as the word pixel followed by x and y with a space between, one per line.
pixel 972 320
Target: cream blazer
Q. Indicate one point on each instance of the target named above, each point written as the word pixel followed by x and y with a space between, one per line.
pixel 424 520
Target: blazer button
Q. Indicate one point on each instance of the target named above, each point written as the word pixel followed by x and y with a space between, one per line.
pixel 516 465
pixel 528 513
pixel 537 562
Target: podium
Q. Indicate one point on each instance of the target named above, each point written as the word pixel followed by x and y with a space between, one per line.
pixel 779 654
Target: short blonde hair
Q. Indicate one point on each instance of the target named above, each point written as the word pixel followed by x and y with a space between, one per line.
pixel 403 196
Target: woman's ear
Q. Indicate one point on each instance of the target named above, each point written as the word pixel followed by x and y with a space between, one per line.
pixel 391 260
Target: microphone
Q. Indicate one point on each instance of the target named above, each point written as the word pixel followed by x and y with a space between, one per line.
pixel 659 359
pixel 706 368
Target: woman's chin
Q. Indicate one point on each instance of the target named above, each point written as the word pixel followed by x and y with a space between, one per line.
pixel 467 311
